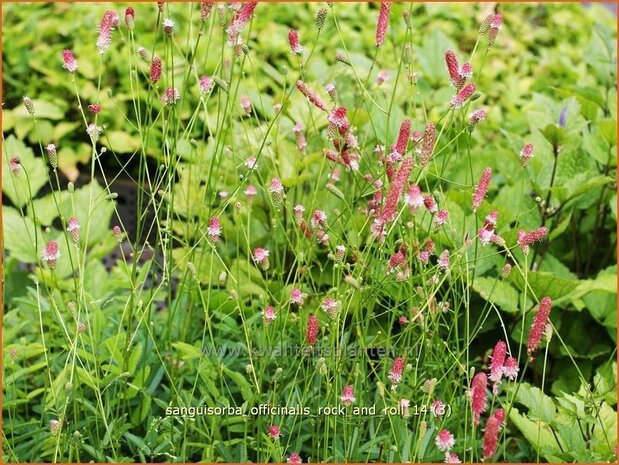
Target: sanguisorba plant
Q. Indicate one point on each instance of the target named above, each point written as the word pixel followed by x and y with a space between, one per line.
pixel 321 269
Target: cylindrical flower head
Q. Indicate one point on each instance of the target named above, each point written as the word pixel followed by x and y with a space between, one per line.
pixel 52 156
pixel 170 96
pixel 206 84
pixel 539 323
pixel 168 27
pixel 106 27
pixel 274 432
pixel 294 458
pixel 348 395
pixel 429 138
pixel 396 189
pixel 155 70
pixel 261 257
pixel 482 188
pixel 29 105
pixel 382 23
pixel 403 136
pixel 51 254
pixel 130 18
pixel 321 16
pixel 205 10
pixel 458 100
pixel 497 361
pixel 495 26
pixel 526 154
pixel 94 108
pixel 269 314
pixel 491 436
pixel 511 368
pixel 117 233
pixel 311 96
pixel 453 68
pixel 526 239
pixel 293 40
pixel 478 395
pixel 311 332
pixel 276 189
pixel 70 63
pixel 73 228
pixel 214 229
pixel 477 116
pixel 397 369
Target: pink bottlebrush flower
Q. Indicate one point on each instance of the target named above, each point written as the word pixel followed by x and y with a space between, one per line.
pixel 251 191
pixel 170 96
pixel 453 68
pixel 430 204
pixel 382 77
pixel 155 70
pixel 452 458
pixel 109 21
pixel 397 369
pixel 311 332
pixel 526 239
pixel 238 22
pixel 482 188
pixel 414 199
pixel 274 432
pixel 382 23
pixel 444 440
pixel 496 22
pixel 497 361
pixel 251 163
pixel 311 96
pixel 441 218
pixel 506 270
pixel 29 104
pixel 168 27
pixel 52 155
pixel 94 108
pixel 319 219
pixel 403 136
pixel 348 396
pixel 117 233
pixel 205 10
pixel 73 228
pixel 294 458
pixel 246 105
pixel 15 164
pixel 437 408
pixel 539 323
pixel 293 40
pixel 214 229
pixel 269 315
pixel 298 211
pixel 206 84
pixel 51 254
pixel 397 260
pixel 477 116
pixel 491 435
pixel 499 414
pixel 423 257
pixel 276 189
pixel 261 257
pixel 458 100
pixel 330 306
pixel 526 154
pixel 296 296
pixel 486 233
pixel 429 138
pixel 130 18
pixel 338 118
pixel 478 395
pixel 466 71
pixel 300 137
pixel 510 369
pixel 396 189
pixel 443 260
pixel 70 63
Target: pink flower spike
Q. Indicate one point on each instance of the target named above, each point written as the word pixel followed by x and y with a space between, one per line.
pixel 477 116
pixel 396 189
pixel 238 22
pixel 453 68
pixel 397 369
pixel 478 395
pixel 511 368
pixel 466 71
pixel 214 229
pixel 130 18
pixel 155 70
pixel 414 199
pixel 444 440
pixel 261 257
pixel 117 233
pixel 382 23
pixel 452 458
pixel 311 96
pixel 205 10
pixel 170 96
pixel 491 436
pixel 293 40
pixel 294 458
pixel 274 432
pixel 526 154
pixel 429 138
pixel 311 332
pixel 497 361
pixel 441 218
pixel 348 396
pixel 94 108
pixel 330 306
pixel 109 21
pixel 539 323
pixel 73 228
pixel 319 219
pixel 206 84
pixel 276 189
pixel 482 188
pixel 51 254
pixel 296 296
pixel 443 260
pixel 430 203
pixel 403 136
pixel 526 239
pixel 458 100
pixel 70 63
pixel 269 315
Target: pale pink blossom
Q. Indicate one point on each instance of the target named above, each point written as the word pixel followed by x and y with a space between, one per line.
pixel 444 440
pixel 348 396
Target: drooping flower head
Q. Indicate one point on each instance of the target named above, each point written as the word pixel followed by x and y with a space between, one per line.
pixel 311 96
pixel 70 63
pixel 238 22
pixel 458 100
pixel 15 164
pixel 383 23
pixel 109 22
pixel 482 188
pixel 539 324
pixel 348 396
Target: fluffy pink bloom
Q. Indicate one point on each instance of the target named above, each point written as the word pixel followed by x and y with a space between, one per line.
pixel 238 22
pixel 397 260
pixel 70 63
pixel 511 368
pixel 246 105
pixel 458 100
pixel 214 229
pixel 491 434
pixel 319 219
pixel 526 154
pixel 478 395
pixel 430 204
pixel 130 18
pixel 51 254
pixel 403 136
pixel 482 188
pixel 539 323
pixel 274 432
pixel 429 138
pixel 423 257
pixel 452 458
pixel 15 164
pixel 294 458
pixel 348 396
pixel 94 108
pixel 269 315
pixel 414 199
pixel 296 296
pixel 109 21
pixel 526 239
pixel 206 84
pixel 338 118
pixel 382 23
pixel 486 233
pixel 444 440
pixel 293 39
pixel 443 260
pixel 396 189
pixel 117 233
pixel 441 217
pixel 311 332
pixel 330 306
pixel 477 116
pixel 311 96
pixel 497 361
pixel 73 228
pixel 397 369
pixel 465 71
pixel 170 96
pixel 260 255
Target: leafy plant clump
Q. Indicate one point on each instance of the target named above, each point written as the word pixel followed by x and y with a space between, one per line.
pixel 253 232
